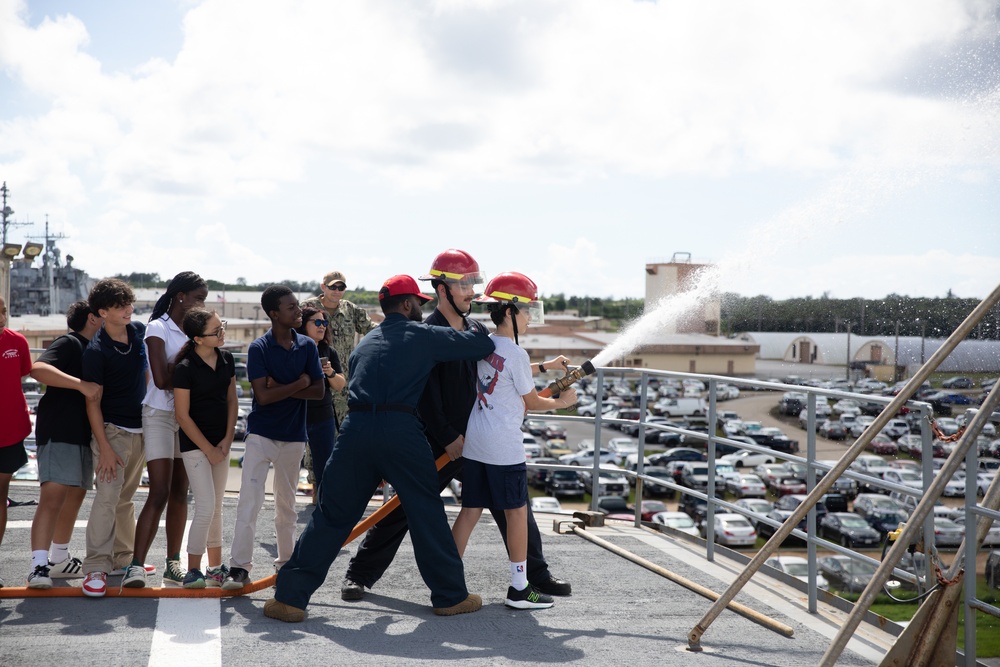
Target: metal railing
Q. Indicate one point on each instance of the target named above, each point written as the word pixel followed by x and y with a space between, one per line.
pixel 810 536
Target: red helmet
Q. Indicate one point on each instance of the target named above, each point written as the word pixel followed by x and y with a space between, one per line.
pixel 455 266
pixel 516 288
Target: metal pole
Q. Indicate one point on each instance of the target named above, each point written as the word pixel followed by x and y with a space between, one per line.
pixel 643 401
pixel 890 411
pixel 810 483
pixel 598 413
pixel 847 372
pixel 710 490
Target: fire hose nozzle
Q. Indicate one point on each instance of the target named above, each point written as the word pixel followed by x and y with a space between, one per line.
pixel 573 374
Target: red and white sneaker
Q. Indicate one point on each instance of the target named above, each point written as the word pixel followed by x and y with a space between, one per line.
pixel 95 584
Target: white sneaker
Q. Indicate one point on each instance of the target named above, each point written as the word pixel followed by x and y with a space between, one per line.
pixel 39 578
pixel 71 568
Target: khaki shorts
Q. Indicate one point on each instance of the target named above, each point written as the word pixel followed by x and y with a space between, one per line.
pixel 66 464
pixel 160 434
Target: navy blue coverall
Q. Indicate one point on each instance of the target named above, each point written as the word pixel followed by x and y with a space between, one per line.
pixel 382 438
pixel 445 406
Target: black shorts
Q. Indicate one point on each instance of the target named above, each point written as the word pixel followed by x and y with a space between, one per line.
pixel 12 458
pixel 493 486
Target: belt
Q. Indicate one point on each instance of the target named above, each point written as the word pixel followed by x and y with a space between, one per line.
pixel 385 407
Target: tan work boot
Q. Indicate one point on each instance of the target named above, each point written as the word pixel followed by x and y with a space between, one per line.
pixel 466 606
pixel 283 612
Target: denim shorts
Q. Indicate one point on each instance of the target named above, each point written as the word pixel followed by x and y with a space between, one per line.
pixel 494 486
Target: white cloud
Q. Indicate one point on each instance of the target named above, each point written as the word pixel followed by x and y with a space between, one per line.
pixel 432 97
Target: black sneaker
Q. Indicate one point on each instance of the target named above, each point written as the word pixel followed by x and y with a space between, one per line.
pixel 529 598
pixel 552 586
pixel 237 579
pixel 351 590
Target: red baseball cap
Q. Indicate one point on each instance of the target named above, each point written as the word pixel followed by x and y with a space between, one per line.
pixel 400 285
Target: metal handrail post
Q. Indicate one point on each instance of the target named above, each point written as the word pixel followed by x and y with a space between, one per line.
pixel 927 472
pixel 710 490
pixel 810 483
pixel 963 330
pixel 598 413
pixel 643 402
pixel 971 546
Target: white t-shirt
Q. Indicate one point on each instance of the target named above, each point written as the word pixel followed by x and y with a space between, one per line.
pixel 173 339
pixel 494 431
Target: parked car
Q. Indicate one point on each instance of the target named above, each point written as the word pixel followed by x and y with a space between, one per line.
pixel 904 477
pixel 744 458
pixel 733 530
pixel 845 486
pixel 896 428
pixel 846 574
pixel 860 424
pixel 784 507
pixel 545 504
pixel 958 383
pixel 696 508
pixel 848 529
pixel 647 508
pixel 564 483
pixel 746 486
pixel 884 522
pixel 586 457
pixel 534 426
pixel 677 454
pixel 610 481
pixel 652 488
pixel 755 505
pixel 797 567
pixel 695 475
pixel 554 430
pixel 614 505
pixel 678 521
pixel 947 533
pixel 834 430
pixel 538 476
pixel 868 505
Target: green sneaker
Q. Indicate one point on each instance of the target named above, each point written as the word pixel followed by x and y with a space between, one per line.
pixel 174 572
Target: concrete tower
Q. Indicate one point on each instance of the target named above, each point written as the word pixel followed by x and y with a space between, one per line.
pixel 675 277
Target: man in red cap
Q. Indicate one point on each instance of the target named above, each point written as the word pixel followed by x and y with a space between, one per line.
pixel 382 438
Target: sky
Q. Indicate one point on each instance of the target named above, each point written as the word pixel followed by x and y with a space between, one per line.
pixel 839 146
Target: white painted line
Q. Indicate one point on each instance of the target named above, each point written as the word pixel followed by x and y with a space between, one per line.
pixel 77 524
pixel 187 633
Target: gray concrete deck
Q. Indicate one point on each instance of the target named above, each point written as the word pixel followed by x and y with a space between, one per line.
pixel 619 613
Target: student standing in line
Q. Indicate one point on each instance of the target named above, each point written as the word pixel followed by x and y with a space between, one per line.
pixel 284 371
pixel 496 475
pixel 65 462
pixel 116 360
pixel 168 483
pixel 321 420
pixel 15 363
pixel 205 403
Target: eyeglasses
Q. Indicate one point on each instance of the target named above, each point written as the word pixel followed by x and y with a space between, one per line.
pixel 219 332
pixel 320 323
pixel 339 287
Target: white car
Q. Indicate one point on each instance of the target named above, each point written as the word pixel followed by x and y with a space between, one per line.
pixel 955 487
pixel 733 530
pixel 797 567
pixel 904 477
pixel 545 504
pixel 623 448
pixel 860 424
pixel 746 486
pixel 747 459
pixel 678 521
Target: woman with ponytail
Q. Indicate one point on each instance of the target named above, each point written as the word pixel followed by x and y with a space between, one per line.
pixel 168 483
pixel 205 405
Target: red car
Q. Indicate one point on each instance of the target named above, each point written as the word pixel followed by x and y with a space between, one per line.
pixel 650 507
pixel 883 444
pixel 787 486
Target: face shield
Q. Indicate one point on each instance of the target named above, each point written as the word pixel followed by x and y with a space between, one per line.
pixel 535 311
pixel 473 281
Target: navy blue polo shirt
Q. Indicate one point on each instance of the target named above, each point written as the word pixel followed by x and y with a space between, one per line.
pixel 284 420
pixel 120 369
